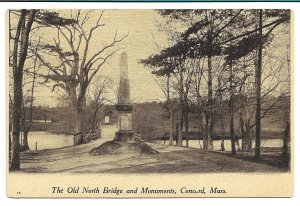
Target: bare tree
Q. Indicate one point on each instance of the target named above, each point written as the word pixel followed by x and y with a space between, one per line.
pixel 27 119
pixel 231 105
pixel 258 73
pixel 96 99
pixel 20 47
pixel 77 66
pixel 196 85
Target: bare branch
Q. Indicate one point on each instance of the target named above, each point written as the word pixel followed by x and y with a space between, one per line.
pixel 99 66
pixel 115 40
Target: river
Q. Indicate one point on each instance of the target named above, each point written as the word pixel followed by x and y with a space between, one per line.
pixel 227 143
pixel 46 140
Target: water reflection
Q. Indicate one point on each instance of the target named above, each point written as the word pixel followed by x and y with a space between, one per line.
pixel 46 140
pixel 227 143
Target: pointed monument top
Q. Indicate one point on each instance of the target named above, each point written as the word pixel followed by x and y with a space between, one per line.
pixel 124 93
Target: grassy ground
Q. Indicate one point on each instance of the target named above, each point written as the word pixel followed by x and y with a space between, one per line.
pixel 269 156
pixel 171 159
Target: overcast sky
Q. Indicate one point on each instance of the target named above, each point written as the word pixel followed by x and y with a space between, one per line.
pixel 141 27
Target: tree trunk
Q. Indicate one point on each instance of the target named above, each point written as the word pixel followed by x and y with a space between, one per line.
pixel 25 145
pixel 222 134
pixel 82 110
pixel 200 126
pixel 221 113
pixel 93 123
pixel 232 135
pixel 243 132
pixel 18 66
pixel 248 135
pixel 77 119
pixel 179 139
pixel 27 127
pixel 187 140
pixel 170 111
pixel 286 143
pixel 180 124
pixel 208 144
pixel 186 114
pixel 186 123
pixel 238 148
pixel 181 112
pixel 18 94
pixel 258 91
pixel 205 136
pixel 248 141
pixel 78 136
pixel 9 141
pixel 177 132
pixel 79 112
pixel 76 110
pixel 15 147
pixel 251 137
pixel 171 128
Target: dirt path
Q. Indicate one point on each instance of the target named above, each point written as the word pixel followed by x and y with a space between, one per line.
pixel 171 159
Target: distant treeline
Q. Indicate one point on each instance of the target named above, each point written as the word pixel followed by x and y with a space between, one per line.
pixel 151 119
pixel 59 119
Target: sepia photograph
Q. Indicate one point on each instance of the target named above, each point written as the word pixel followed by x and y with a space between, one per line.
pixel 158 92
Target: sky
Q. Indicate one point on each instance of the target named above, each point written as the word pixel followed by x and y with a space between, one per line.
pixel 141 28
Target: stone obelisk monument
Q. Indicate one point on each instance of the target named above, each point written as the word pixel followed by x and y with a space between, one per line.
pixel 124 107
pixel 125 131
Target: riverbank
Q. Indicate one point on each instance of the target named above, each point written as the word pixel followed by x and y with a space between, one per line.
pixel 171 159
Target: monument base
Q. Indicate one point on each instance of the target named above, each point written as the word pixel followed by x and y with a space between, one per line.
pixel 124 135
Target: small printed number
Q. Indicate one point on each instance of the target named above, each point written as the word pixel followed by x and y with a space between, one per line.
pixel 18 193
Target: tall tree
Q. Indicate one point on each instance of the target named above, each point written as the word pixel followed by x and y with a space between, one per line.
pixel 27 119
pixel 163 79
pixel 196 90
pixel 20 47
pixel 165 86
pixel 254 39
pixel 203 39
pixel 231 105
pixel 230 34
pixel 258 73
pixel 77 65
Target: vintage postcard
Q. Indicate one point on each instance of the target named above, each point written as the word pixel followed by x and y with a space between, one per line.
pixel 149 103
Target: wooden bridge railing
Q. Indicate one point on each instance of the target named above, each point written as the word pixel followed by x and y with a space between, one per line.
pixel 79 138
